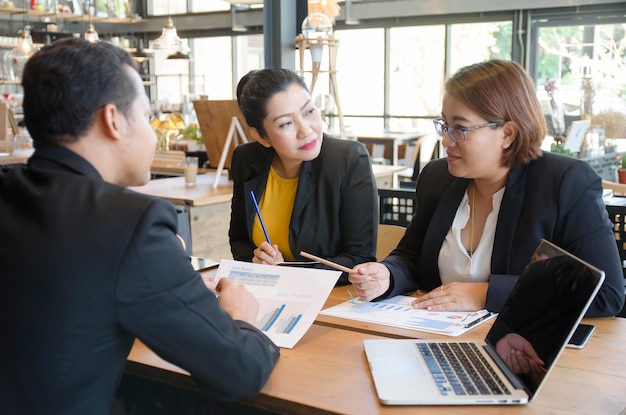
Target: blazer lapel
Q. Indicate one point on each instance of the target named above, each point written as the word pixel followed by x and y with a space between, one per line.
pixel 306 187
pixel 508 218
pixel 440 225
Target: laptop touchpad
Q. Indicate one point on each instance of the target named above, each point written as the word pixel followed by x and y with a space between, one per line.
pixel 397 366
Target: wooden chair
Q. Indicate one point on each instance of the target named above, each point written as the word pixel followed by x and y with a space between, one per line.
pixel 396 206
pixel 169 158
pixel 427 148
pixel 619 189
pixel 388 238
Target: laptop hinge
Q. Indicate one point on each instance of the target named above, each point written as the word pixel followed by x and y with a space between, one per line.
pixel 512 377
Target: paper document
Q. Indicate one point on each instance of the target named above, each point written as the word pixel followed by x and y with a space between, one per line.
pixel 397 312
pixel 290 298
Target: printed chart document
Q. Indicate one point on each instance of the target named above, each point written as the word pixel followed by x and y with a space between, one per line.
pixel 397 312
pixel 290 298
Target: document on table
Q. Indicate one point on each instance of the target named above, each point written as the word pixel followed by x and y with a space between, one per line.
pixel 290 298
pixel 397 312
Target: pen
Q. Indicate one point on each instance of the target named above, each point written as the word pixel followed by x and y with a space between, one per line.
pixel 326 262
pixel 351 297
pixel 258 213
pixel 478 320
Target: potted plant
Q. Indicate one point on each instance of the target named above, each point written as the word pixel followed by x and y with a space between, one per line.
pixel 621 169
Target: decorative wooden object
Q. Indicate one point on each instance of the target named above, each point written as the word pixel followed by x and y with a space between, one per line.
pixel 316 46
pixel 218 127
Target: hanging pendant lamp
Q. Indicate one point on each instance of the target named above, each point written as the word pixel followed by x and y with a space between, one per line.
pixel 20 54
pixel 90 34
pixel 169 37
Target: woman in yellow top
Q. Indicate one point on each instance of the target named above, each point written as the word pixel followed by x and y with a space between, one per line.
pixel 315 193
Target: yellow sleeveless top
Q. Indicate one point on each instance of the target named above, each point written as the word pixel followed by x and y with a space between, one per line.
pixel 276 205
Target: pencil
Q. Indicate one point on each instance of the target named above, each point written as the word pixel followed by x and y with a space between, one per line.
pixel 326 262
pixel 258 213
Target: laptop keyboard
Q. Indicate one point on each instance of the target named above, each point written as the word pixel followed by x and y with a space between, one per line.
pixel 459 368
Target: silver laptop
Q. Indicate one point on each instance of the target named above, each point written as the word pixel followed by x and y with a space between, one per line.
pixel 540 315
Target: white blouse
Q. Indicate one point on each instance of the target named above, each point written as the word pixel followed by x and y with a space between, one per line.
pixel 455 264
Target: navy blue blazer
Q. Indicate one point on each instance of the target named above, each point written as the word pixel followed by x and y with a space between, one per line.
pixel 335 213
pixel 87 267
pixel 555 197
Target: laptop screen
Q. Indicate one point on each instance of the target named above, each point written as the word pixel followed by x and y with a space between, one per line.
pixel 542 312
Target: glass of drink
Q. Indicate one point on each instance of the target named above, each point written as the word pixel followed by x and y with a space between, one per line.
pixel 191 170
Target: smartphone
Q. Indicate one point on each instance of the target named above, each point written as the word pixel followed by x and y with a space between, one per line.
pixel 202 264
pixel 580 336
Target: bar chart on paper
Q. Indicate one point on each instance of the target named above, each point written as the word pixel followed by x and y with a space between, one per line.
pixel 398 312
pixel 280 318
pixel 289 297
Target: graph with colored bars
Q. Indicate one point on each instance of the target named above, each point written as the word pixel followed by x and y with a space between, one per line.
pixel 279 318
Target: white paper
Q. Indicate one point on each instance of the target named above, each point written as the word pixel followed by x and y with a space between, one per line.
pixel 290 298
pixel 397 312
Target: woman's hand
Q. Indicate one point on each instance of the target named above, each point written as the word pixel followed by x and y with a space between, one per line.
pixel 370 280
pixel 267 254
pixel 456 296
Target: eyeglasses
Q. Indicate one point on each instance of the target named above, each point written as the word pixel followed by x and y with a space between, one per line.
pixel 453 132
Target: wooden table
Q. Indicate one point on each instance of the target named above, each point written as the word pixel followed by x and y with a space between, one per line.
pixel 327 373
pixel 208 209
pixel 8 160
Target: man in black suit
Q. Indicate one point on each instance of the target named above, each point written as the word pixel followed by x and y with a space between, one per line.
pixel 88 265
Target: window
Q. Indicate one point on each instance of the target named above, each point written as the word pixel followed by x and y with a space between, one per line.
pixel 417 67
pixel 581 57
pixel 212 59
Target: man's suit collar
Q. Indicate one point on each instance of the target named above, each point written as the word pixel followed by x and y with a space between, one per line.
pixel 60 158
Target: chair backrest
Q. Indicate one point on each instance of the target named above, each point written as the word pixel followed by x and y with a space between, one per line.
pixel 617 215
pixel 169 158
pixel 396 206
pixel 619 189
pixel 388 238
pixel 426 149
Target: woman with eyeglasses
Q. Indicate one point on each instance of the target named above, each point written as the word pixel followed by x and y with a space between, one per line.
pixel 483 209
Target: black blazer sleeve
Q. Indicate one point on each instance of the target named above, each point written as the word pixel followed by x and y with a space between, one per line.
pixel 190 329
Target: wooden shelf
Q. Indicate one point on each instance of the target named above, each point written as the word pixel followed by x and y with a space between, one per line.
pixel 10 11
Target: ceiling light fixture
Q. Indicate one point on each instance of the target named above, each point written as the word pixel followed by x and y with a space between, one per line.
pixel 183 54
pixel 24 50
pixel 90 34
pixel 169 36
pixel 141 55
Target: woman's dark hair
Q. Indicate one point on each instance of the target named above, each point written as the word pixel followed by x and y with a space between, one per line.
pixel 67 82
pixel 501 91
pixel 257 87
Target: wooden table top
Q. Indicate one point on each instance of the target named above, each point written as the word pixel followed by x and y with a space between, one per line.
pixel 203 193
pixel 327 373
pixel 6 160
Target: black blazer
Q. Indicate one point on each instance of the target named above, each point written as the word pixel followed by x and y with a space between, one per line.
pixel 335 213
pixel 555 197
pixel 87 267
